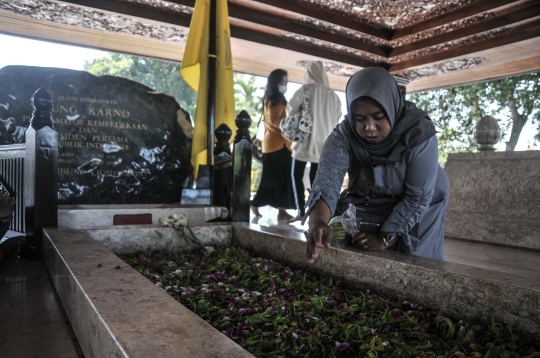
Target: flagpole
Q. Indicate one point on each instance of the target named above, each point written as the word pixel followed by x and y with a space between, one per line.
pixel 211 103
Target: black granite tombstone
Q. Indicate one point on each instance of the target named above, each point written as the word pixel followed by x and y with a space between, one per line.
pixel 120 141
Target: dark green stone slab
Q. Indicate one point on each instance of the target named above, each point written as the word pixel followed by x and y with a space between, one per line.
pixel 120 141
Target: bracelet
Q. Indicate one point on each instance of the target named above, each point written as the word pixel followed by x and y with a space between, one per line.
pixel 386 243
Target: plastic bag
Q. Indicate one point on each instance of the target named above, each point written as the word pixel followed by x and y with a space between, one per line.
pixel 340 238
pixel 348 220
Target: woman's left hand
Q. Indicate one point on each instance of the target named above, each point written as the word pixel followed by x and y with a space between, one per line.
pixel 368 241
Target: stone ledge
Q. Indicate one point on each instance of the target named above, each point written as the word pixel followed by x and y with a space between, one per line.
pixel 102 215
pixel 493 229
pixel 494 198
pixel 527 154
pixel 458 290
pixel 129 239
pixel 118 312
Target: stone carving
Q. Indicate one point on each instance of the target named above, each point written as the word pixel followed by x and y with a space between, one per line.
pixel 487 35
pixel 10 132
pixel 120 142
pixel 409 75
pixel 94 19
pixel 332 67
pixel 388 13
pixel 487 133
pixel 405 40
pixel 442 67
pixel 495 197
pixel 343 31
pixel 446 28
pixel 392 14
pixel 165 5
pixel 334 47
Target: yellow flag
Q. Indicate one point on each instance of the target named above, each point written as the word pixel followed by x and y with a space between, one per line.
pixel 194 71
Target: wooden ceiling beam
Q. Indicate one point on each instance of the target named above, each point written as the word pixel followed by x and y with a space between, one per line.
pixel 152 13
pixel 239 29
pixel 250 32
pixel 451 16
pixel 523 13
pixel 137 10
pixel 314 11
pixel 522 32
pixel 287 22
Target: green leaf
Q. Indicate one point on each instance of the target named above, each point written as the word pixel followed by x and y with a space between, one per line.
pixel 376 343
pixel 476 347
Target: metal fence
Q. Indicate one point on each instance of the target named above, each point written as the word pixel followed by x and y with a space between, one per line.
pixel 12 176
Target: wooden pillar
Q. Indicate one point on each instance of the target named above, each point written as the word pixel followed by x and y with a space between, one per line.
pixel 40 174
pixel 223 170
pixel 242 155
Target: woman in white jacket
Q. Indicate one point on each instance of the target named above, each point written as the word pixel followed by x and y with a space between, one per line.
pixel 325 107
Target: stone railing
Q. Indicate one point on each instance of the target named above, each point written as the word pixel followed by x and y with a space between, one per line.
pixel 494 196
pixel 232 171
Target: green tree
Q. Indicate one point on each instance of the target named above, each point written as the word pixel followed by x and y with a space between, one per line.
pixel 512 101
pixel 520 97
pixel 248 96
pixel 163 76
pixel 449 113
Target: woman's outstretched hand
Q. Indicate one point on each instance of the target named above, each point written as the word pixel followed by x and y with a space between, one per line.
pixel 319 233
pixel 368 241
pixel 317 236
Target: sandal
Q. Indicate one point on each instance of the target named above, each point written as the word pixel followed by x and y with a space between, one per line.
pixel 296 218
pixel 284 215
pixel 255 211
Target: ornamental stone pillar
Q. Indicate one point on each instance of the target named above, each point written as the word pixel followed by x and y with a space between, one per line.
pixel 487 133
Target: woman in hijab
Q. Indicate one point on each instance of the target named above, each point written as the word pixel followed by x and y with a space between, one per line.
pixel 389 148
pixel 325 108
pixel 275 188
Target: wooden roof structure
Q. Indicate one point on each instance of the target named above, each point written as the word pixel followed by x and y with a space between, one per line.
pixel 428 43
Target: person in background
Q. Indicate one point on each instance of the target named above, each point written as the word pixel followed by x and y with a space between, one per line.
pixel 325 108
pixel 389 148
pixel 275 188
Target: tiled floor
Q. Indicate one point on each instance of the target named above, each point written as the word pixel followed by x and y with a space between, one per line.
pixel 33 323
pixel 32 320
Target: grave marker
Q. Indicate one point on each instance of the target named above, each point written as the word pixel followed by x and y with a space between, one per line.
pixel 120 142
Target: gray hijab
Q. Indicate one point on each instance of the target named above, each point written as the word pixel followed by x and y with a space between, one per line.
pixel 410 126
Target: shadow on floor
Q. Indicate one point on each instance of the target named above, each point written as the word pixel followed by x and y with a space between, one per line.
pixel 32 320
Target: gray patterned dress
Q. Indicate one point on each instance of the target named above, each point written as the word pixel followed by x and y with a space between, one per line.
pixel 417 179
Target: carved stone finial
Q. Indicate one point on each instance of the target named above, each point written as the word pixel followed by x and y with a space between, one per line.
pixel 243 121
pixel 223 134
pixel 41 104
pixel 487 133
